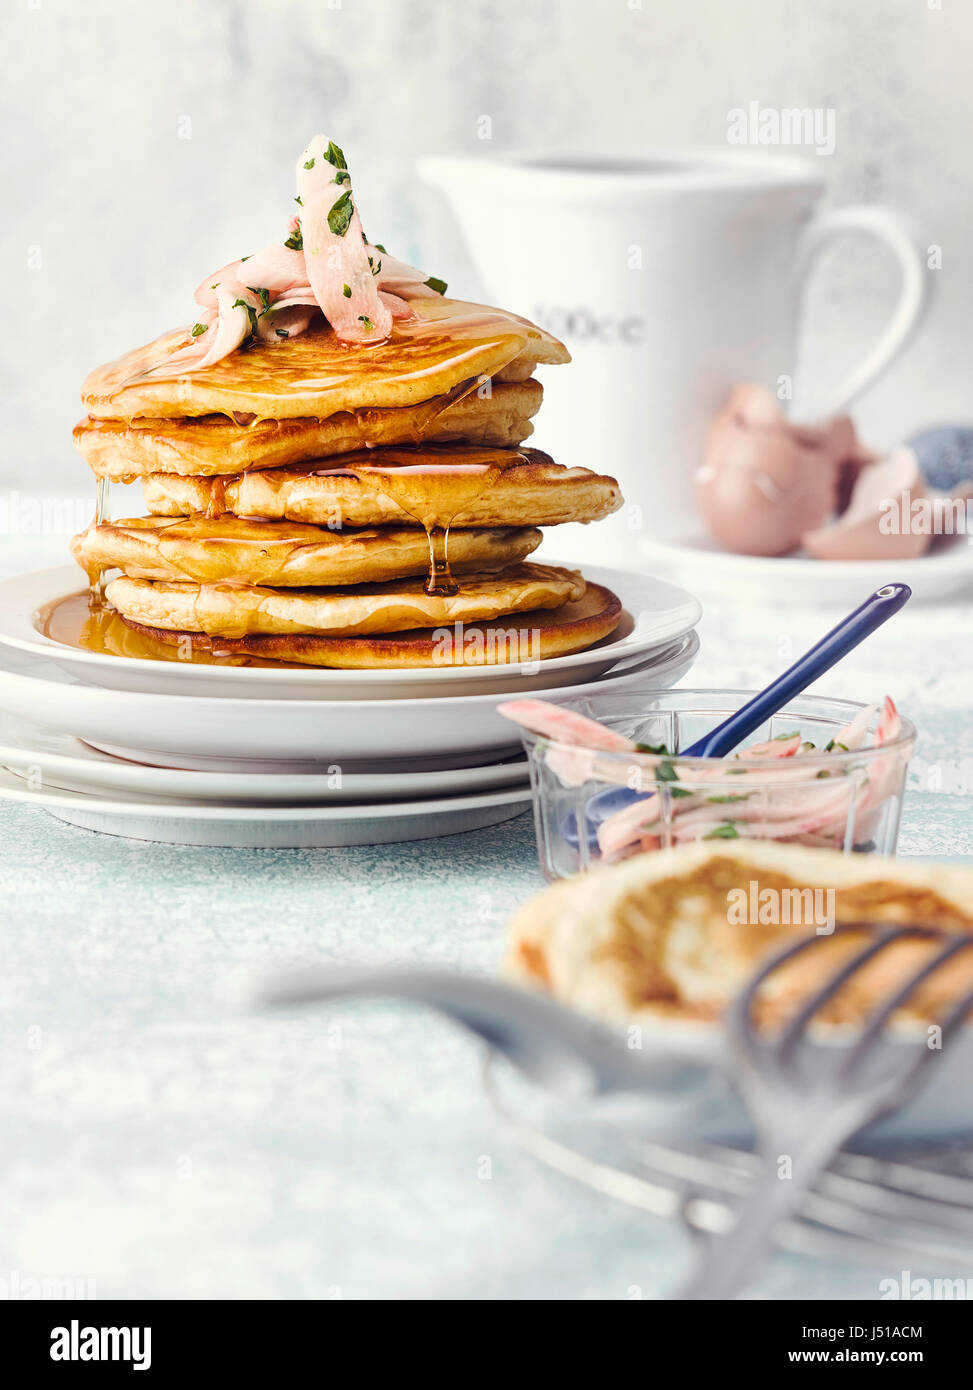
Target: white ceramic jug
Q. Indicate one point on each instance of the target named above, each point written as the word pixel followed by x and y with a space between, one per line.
pixel 671 277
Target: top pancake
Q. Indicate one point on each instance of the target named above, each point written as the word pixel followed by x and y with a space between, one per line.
pixel 314 375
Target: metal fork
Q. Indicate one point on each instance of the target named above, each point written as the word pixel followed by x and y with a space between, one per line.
pixel 806 1119
pixel 552 1045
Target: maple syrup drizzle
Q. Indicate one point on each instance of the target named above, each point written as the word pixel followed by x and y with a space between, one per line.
pixel 440 580
pixel 96 577
pixel 409 478
pixel 216 507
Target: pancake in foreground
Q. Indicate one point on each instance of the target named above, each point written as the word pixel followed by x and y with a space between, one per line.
pixel 654 937
pixel 239 610
pixel 288 553
pixel 537 636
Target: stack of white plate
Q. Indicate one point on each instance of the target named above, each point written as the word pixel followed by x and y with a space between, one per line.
pixel 276 758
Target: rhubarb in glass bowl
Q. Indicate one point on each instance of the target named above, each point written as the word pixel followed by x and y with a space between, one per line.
pixel 822 772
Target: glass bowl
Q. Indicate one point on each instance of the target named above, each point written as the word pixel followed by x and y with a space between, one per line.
pixel 592 806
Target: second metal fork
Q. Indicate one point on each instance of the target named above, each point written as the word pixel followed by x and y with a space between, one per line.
pixel 803 1121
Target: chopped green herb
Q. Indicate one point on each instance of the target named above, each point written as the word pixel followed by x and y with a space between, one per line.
pixel 335 155
pixel 246 258
pixel 830 747
pixel 199 328
pixel 339 218
pixel 436 284
pixel 216 286
pixel 262 295
pixel 379 247
pixel 723 832
pixel 825 772
pixel 342 176
pixel 251 315
pixel 363 318
pixel 807 746
pixel 733 796
pixel 346 291
pixel 309 163
pixel 298 199
pixel 296 239
pixel 782 738
pixel 658 748
pixel 666 772
pixel 282 332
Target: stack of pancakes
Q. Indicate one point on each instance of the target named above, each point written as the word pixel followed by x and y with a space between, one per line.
pixel 343 505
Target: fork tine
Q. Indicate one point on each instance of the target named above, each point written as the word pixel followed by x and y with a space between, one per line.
pixel 795 1029
pixel 881 1016
pixel 738 1018
pixel 953 1020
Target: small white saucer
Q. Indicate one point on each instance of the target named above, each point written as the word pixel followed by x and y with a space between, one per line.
pixel 271 827
pixel 945 571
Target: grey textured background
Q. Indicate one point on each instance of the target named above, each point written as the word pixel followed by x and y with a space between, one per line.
pixel 128 215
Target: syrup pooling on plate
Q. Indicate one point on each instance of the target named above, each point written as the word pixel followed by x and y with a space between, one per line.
pixel 74 621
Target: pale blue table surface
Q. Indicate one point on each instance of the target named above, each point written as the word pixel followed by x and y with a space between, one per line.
pixel 163 1140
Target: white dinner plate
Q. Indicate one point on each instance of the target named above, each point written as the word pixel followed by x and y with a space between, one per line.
pixel 946 571
pixel 192 731
pixel 57 761
pixel 271 827
pixel 656 613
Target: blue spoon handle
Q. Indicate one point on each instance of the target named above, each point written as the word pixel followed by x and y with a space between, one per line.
pixel 876 610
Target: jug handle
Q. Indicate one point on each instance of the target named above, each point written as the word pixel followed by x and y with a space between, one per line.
pixel 899 234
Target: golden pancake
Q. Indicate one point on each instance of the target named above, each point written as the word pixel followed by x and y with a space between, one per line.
pixel 531 490
pixel 214 444
pixel 448 343
pixel 537 636
pixel 662 935
pixel 228 609
pixel 286 553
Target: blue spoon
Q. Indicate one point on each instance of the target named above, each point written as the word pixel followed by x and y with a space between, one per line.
pixel 842 639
